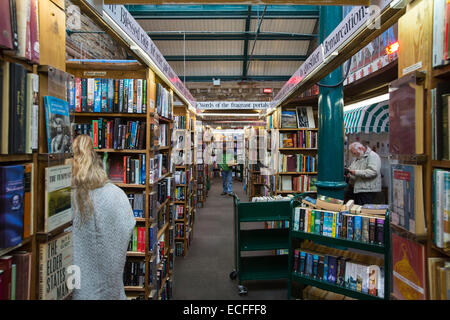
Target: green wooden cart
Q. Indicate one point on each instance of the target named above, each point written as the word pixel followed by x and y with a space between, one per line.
pixel 263 267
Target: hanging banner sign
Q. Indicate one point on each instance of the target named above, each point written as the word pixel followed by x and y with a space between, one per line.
pixel 122 17
pixel 352 23
pixel 232 105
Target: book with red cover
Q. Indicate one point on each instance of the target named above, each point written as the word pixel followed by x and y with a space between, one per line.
pixel 6 265
pixel 5 25
pixel 22 260
pixel 405 117
pixel 291 163
pixel 116 170
pixel 408 266
pixel 34 31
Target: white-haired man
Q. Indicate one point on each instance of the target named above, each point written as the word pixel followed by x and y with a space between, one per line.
pixel 364 173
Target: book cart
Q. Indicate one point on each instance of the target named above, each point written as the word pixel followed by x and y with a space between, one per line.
pixel 261 267
pixel 385 250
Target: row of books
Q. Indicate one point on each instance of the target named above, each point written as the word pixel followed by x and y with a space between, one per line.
pixel 179 249
pixel 301 183
pixel 161 251
pixel 127 169
pixel 368 229
pixel 165 189
pixel 441 28
pixel 15 276
pixel 164 135
pixel 441 208
pixel 340 271
pixel 152 234
pixel 19 109
pixel 301 139
pixel 164 101
pixel 179 230
pixel 159 165
pixel 297 117
pixel 16 204
pixel 439 278
pixel 166 291
pixel 181 176
pixel 180 194
pixel 180 122
pixel 440 121
pixel 19 28
pixel 134 274
pixel 162 216
pixel 137 241
pixel 107 95
pixel 179 211
pixel 276 224
pixel 137 202
pixel 115 134
pixel 297 163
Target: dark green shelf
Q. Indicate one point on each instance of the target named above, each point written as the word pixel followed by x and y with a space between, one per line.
pixel 264 239
pixel 264 268
pixel 264 211
pixel 333 287
pixel 340 242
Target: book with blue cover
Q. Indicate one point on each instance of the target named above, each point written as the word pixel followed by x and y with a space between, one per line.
pixel 12 186
pixel 97 95
pixel 104 83
pixel 357 228
pixel 302 262
pixel 59 135
pixel 325 267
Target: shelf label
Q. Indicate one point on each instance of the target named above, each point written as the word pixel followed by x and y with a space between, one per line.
pixel 412 68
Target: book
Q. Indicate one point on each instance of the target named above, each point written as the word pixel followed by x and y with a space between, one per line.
pixel 4 125
pixel 441 208
pixel 12 187
pixel 58 207
pixel 54 258
pixel 6 265
pixel 434 263
pixel 288 119
pixel 6 36
pixel 28 201
pixel 32 113
pixel 17 108
pixel 406 187
pixel 408 265
pixel 379 209
pixel 34 31
pixel 22 260
pixel 305 117
pixel 438 34
pixel 23 30
pixel 59 137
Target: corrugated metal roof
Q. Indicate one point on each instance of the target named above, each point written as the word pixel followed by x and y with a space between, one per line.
pixel 193 25
pixel 207 68
pixel 285 25
pixel 275 68
pixel 170 48
pixel 280 47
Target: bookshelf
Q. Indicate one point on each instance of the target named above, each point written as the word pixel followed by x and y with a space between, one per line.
pixel 185 179
pixel 156 212
pixel 293 143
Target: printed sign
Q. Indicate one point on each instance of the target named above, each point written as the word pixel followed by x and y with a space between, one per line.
pixel 232 105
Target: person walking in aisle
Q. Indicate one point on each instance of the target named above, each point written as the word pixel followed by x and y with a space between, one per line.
pixel 103 223
pixel 226 168
pixel 364 174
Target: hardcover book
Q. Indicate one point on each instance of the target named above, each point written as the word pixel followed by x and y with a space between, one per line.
pixel 6 40
pixel 54 258
pixel 407 205
pixel 408 264
pixel 12 185
pixel 305 117
pixel 58 207
pixel 288 119
pixel 59 137
pixel 17 108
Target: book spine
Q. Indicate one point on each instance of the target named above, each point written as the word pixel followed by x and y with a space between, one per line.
pixel 121 98
pixel 333 230
pixel 144 96
pixel 110 97
pixel 97 95
pixel 380 231
pixel 130 95
pixel 350 227
pixel 104 93
pixel 90 94
pixel 372 226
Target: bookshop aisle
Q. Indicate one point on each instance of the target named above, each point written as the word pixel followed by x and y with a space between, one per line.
pixel 203 274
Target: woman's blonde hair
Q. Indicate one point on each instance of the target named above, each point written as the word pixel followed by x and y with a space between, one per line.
pixel 87 174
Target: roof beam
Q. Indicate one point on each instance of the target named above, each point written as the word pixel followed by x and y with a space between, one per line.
pixel 236 78
pixel 241 36
pixel 188 12
pixel 247 38
pixel 237 58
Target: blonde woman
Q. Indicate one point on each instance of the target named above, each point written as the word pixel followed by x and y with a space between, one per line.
pixel 102 226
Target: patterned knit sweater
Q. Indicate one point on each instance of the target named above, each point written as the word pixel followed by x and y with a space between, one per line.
pixel 100 245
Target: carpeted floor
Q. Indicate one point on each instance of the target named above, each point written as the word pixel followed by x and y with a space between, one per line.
pixel 203 274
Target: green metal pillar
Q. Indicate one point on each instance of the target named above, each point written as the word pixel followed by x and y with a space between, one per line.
pixel 330 180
